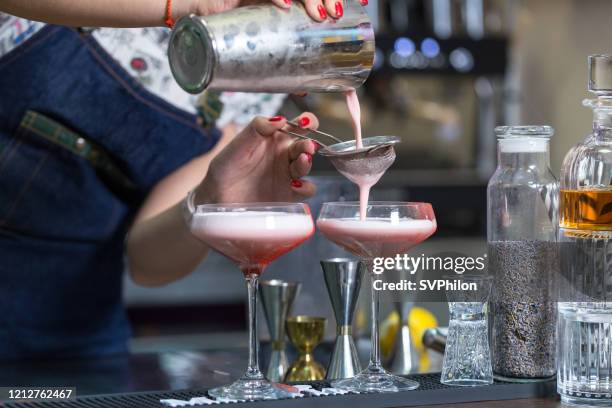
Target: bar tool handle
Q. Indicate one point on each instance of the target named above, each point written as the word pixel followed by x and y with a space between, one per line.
pixel 435 340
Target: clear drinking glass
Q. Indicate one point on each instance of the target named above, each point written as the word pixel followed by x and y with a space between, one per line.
pixel 252 236
pixel 584 331
pixel 390 228
pixel 467 357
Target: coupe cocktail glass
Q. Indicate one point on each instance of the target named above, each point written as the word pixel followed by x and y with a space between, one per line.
pixel 390 228
pixel 252 236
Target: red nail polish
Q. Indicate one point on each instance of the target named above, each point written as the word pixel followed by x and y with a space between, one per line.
pixel 304 121
pixel 339 9
pixel 322 12
pixel 364 2
pixel 288 2
pixel 276 119
pixel 296 183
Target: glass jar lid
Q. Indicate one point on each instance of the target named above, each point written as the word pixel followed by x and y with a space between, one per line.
pixel 600 74
pixel 524 139
pixel 524 131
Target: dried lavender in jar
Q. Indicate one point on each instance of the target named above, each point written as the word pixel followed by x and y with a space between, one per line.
pixel 523 310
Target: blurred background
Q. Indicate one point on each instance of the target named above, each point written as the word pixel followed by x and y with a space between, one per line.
pixel 446 73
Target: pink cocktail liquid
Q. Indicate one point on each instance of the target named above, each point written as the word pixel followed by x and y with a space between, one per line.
pixel 364 183
pixel 355 111
pixel 376 237
pixel 252 239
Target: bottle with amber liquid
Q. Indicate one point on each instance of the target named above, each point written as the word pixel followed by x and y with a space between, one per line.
pixel 584 342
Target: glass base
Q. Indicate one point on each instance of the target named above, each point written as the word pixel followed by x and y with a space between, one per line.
pixel 500 377
pixel 250 390
pixel 375 382
pixel 468 383
pixel 585 402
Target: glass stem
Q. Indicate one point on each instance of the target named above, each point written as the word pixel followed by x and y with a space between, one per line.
pixel 375 365
pixel 253 372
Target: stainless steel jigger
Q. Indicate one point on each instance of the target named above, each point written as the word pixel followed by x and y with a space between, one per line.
pixel 343 280
pixel 371 161
pixel 405 359
pixel 277 297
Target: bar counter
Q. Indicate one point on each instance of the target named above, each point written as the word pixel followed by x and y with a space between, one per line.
pixel 170 370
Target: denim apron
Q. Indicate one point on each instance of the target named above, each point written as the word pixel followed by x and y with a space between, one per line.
pixel 81 145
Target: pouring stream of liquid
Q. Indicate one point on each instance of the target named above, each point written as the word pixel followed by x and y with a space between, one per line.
pixel 364 184
pixel 355 111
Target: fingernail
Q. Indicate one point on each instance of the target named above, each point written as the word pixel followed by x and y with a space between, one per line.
pixel 276 119
pixel 296 183
pixel 288 2
pixel 364 2
pixel 304 121
pixel 315 145
pixel 309 157
pixel 339 9
pixel 322 11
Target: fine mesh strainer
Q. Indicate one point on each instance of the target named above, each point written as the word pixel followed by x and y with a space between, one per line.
pixel 368 162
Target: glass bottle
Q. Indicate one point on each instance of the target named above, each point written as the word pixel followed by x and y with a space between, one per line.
pixel 584 348
pixel 522 224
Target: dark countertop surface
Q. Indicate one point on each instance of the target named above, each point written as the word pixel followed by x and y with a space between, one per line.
pixel 131 373
pixel 519 403
pixel 172 370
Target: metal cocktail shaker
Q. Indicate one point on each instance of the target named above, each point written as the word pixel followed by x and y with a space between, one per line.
pixel 268 49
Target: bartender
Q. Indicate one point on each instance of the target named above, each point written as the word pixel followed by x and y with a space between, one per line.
pixel 98 150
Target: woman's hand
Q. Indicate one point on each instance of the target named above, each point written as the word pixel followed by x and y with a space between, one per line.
pixel 261 164
pixel 145 13
pixel 318 10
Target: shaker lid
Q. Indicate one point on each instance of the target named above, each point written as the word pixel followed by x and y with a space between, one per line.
pixel 191 54
pixel 600 73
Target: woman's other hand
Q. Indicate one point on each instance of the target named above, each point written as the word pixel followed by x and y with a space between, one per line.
pixel 318 10
pixel 262 164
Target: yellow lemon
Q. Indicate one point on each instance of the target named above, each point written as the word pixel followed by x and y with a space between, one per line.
pixel 361 321
pixel 388 331
pixel 419 320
